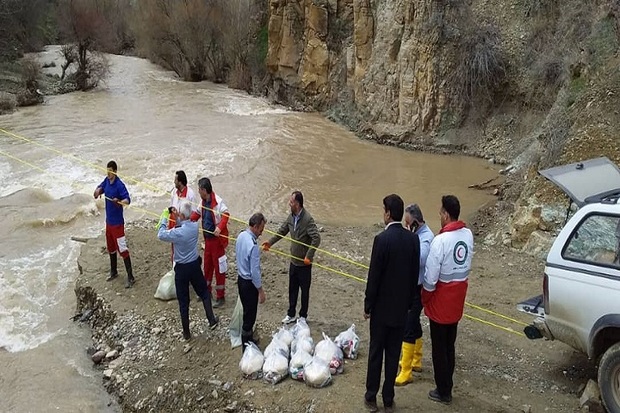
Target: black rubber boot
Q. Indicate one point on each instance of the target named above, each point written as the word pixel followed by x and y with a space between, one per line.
pixel 130 280
pixel 213 319
pixel 185 324
pixel 113 267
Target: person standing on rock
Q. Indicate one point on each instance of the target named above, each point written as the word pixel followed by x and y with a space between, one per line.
pixel 444 290
pixel 187 268
pixel 392 281
pixel 411 352
pixel 249 280
pixel 116 196
pixel 214 214
pixel 305 240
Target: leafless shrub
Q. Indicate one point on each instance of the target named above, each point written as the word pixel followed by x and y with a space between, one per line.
pixel 240 77
pixel 481 68
pixel 30 72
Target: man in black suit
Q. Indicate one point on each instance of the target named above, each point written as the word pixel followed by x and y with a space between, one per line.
pixel 392 279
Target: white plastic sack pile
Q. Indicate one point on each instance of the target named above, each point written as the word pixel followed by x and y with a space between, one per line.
pixel 349 342
pixel 166 289
pixel 316 373
pixel 331 354
pixel 251 363
pixel 298 362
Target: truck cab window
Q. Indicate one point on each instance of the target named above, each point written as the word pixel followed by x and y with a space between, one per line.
pixel 596 241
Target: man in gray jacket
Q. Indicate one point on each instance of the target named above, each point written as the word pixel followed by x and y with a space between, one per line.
pixel 305 240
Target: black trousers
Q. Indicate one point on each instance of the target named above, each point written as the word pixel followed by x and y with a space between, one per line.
pixel 443 337
pixel 249 298
pixel 184 275
pixel 299 277
pixel 388 340
pixel 413 328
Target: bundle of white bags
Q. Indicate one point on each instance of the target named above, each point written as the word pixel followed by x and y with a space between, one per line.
pixel 251 363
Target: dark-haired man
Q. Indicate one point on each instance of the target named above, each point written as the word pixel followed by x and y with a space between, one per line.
pixel 215 215
pixel 181 191
pixel 392 280
pixel 305 240
pixel 249 281
pixel 116 196
pixel 444 290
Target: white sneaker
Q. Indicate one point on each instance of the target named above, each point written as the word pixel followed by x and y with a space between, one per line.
pixel 288 319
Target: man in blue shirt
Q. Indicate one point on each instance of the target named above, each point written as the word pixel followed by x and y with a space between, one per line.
pixel 411 352
pixel 116 196
pixel 187 268
pixel 249 281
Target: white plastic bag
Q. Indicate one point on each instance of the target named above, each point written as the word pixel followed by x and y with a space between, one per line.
pixel 236 322
pixel 251 363
pixel 275 368
pixel 331 354
pixel 304 343
pixel 301 329
pixel 349 342
pixel 277 346
pixel 166 289
pixel 316 373
pixel 284 336
pixel 298 361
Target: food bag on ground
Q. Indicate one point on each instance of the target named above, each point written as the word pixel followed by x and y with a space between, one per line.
pixel 316 373
pixel 329 352
pixel 284 336
pixel 303 343
pixel 301 329
pixel 275 368
pixel 166 290
pixel 277 346
pixel 251 363
pixel 349 342
pixel 298 362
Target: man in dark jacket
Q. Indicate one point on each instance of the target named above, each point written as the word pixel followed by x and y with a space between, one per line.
pixel 305 240
pixel 392 279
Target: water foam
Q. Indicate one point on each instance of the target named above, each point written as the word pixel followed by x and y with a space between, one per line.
pixel 244 106
pixel 29 286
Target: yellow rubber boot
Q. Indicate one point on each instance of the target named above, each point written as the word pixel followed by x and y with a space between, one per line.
pixel 404 377
pixel 416 359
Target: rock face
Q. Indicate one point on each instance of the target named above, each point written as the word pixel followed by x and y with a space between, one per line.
pixel 396 58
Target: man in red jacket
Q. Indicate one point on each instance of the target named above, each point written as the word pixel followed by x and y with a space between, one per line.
pixel 215 215
pixel 444 290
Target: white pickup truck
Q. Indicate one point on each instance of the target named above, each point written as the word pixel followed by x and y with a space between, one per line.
pixel 580 303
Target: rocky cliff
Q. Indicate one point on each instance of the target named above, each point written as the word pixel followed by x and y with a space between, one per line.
pixel 531 83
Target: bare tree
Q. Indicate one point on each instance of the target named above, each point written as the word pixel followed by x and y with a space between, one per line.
pixel 83 24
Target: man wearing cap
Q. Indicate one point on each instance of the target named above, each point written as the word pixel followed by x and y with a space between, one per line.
pixel 411 353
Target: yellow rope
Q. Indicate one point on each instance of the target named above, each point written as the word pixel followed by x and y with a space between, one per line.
pixel 278 252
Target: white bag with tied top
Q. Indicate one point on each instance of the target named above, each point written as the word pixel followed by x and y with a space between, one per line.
pixel 330 353
pixel 349 342
pixel 251 363
pixel 316 373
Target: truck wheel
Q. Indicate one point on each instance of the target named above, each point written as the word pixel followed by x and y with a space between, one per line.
pixel 609 378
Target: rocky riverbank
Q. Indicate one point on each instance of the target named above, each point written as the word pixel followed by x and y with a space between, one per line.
pixel 137 342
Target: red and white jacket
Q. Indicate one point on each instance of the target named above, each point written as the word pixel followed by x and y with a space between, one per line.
pixel 447 272
pixel 219 214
